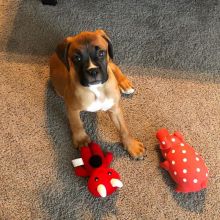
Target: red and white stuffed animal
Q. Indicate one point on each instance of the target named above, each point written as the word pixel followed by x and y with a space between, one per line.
pixel 94 164
pixel 185 166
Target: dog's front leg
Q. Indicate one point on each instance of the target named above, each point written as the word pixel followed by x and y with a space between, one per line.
pixel 80 138
pixel 134 147
pixel 124 83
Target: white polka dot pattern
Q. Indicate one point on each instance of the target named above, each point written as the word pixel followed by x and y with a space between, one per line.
pixel 184 164
pixel 184 170
pixel 195 181
pixel 184 160
pixel 184 180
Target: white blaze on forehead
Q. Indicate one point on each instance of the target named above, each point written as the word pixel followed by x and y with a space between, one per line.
pixel 91 65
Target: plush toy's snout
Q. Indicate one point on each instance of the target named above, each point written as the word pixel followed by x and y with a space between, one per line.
pixel 163 137
pixel 103 182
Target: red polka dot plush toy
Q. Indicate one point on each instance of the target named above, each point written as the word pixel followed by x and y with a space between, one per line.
pixel 184 164
pixel 103 180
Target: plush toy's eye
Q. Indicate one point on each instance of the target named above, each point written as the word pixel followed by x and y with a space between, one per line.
pixel 96 179
pixel 109 173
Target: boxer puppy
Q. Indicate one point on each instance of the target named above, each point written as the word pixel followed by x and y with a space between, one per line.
pixel 83 73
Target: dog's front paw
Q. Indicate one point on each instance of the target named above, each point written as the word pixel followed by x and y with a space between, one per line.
pixel 80 139
pixel 135 148
pixel 126 86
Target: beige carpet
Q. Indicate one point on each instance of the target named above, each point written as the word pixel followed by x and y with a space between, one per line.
pixel 171 52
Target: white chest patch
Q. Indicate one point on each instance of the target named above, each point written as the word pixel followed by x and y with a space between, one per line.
pixel 100 103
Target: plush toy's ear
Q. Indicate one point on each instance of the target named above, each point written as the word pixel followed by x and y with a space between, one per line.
pixel 110 47
pixel 62 52
pixel 108 159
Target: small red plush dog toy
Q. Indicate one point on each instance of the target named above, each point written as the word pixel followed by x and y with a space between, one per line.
pixel 185 166
pixel 94 164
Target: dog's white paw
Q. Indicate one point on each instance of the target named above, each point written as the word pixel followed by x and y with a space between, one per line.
pixel 127 91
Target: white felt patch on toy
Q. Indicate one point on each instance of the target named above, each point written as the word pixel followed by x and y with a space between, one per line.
pixel 77 162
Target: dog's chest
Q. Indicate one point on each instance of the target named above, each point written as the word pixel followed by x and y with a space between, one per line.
pixel 101 102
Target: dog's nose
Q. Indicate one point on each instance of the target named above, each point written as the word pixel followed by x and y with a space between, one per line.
pixel 93 72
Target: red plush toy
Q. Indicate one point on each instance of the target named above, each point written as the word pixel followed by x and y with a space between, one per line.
pixel 185 166
pixel 103 180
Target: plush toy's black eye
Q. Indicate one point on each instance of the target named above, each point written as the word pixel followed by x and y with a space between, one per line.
pixel 109 173
pixel 96 179
pixel 77 58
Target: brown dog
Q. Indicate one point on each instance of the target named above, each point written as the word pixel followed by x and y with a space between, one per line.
pixel 83 73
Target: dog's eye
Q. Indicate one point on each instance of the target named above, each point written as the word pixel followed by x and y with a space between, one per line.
pixel 77 58
pixel 101 53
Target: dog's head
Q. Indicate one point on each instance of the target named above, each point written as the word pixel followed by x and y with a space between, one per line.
pixel 88 53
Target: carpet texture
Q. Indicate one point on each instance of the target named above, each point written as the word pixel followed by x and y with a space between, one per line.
pixel 171 52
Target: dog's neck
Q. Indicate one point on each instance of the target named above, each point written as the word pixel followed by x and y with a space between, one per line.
pixel 96 89
pixel 101 102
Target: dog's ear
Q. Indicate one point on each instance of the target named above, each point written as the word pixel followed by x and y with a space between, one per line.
pixel 62 52
pixel 110 47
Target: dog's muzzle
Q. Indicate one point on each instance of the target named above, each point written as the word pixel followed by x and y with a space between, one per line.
pixel 96 76
pixel 93 72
